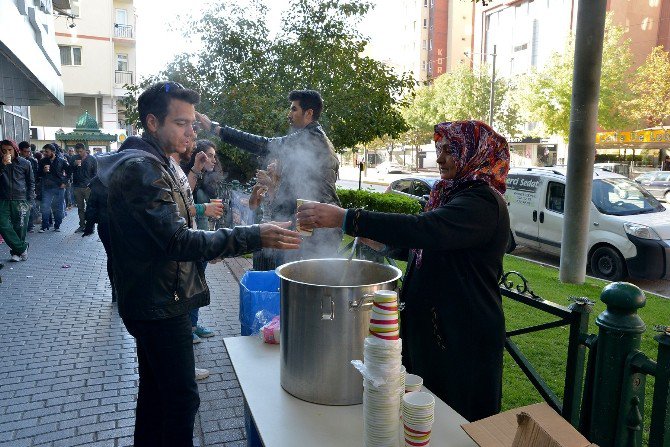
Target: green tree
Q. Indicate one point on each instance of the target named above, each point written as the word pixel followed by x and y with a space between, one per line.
pixel 651 88
pixel 463 94
pixel 547 93
pixel 244 76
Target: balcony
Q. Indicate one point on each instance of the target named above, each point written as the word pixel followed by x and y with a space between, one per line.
pixel 123 77
pixel 123 31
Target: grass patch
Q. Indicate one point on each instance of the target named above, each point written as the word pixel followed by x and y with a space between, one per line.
pixel 547 350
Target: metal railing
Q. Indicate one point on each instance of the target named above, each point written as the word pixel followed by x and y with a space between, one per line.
pixel 123 31
pixel 123 77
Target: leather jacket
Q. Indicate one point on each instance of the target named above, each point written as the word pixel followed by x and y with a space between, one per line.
pixel 58 172
pixel 156 256
pixel 82 175
pixel 16 180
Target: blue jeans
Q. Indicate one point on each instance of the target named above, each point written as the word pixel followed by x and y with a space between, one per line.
pixel 52 201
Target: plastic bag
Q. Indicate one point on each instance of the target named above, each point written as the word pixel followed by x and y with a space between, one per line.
pixel 270 331
pixel 259 291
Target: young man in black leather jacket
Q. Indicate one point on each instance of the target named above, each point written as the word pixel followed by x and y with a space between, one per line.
pixel 156 256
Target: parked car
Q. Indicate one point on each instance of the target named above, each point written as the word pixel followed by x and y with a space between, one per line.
pixel 657 183
pixel 417 188
pixel 628 227
pixel 389 167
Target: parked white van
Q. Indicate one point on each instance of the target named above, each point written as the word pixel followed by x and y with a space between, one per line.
pixel 629 230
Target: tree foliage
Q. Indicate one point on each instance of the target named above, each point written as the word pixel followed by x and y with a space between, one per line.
pixel 547 93
pixel 244 75
pixel 651 88
pixel 463 94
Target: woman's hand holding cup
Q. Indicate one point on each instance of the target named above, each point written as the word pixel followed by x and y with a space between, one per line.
pixel 320 215
pixel 214 209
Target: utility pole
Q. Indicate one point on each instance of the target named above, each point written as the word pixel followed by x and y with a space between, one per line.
pixel 581 143
pixel 493 84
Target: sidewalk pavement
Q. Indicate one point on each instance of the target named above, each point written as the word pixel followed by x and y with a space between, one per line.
pixel 68 368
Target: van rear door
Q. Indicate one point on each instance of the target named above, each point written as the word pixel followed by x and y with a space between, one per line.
pixel 523 198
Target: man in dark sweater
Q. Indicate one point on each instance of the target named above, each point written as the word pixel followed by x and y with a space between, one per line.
pixel 306 164
pixel 83 168
pixel 53 172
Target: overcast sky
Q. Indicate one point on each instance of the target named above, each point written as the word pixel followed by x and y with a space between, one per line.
pixel 156 44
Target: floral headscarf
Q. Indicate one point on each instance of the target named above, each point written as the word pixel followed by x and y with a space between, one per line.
pixel 480 154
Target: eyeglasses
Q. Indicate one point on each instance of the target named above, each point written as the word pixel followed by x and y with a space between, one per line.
pixel 173 85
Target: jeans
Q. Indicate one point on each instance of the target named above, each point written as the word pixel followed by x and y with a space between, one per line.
pixel 168 400
pixel 69 195
pixel 52 201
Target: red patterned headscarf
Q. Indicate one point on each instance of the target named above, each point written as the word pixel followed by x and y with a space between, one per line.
pixel 480 153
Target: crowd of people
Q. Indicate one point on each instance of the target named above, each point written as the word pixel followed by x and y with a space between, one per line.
pixel 160 234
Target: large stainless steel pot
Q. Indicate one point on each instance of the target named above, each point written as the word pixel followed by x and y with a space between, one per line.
pixel 325 310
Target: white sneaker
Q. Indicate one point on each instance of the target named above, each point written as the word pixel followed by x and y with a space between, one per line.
pixel 201 373
pixel 15 258
pixel 24 255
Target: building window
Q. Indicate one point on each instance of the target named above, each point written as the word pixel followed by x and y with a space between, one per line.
pixel 74 8
pixel 425 23
pixel 423 46
pixel 425 3
pixel 121 17
pixel 70 55
pixel 432 3
pixel 121 62
pixel 430 44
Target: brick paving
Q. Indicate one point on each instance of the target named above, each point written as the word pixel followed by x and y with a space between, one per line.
pixel 68 372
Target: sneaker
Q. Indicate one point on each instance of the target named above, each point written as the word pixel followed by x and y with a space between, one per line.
pixel 57 230
pixel 24 255
pixel 201 373
pixel 42 230
pixel 17 258
pixel 196 339
pixel 79 230
pixel 203 332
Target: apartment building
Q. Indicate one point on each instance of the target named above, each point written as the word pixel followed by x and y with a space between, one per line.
pixel 525 33
pixel 29 62
pixel 96 43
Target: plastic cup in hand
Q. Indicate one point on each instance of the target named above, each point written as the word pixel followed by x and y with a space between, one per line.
pixel 7 158
pixel 77 162
pixel 212 220
pixel 303 231
pixel 47 168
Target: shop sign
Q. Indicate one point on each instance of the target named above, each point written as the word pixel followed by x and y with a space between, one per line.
pixel 639 136
pixel 517 140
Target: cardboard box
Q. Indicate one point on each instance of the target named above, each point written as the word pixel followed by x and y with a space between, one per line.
pixel 536 425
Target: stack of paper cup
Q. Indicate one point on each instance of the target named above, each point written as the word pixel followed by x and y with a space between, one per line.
pixel 413 383
pixel 384 322
pixel 383 364
pixel 418 415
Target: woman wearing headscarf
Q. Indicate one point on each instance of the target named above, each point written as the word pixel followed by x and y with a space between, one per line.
pixel 452 326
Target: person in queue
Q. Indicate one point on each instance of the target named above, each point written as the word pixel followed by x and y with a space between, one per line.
pixel 453 328
pixel 306 165
pixel 17 189
pixel 53 175
pixel 156 255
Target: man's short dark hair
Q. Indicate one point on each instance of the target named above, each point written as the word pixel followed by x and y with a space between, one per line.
pixel 24 145
pixel 33 148
pixel 49 146
pixel 156 99
pixel 79 146
pixel 308 99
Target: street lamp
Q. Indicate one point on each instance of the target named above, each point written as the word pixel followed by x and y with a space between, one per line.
pixel 493 79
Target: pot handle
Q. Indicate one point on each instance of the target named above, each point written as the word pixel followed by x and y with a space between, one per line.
pixel 327 314
pixel 363 304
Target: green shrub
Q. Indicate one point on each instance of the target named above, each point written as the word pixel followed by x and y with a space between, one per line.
pixel 377 201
